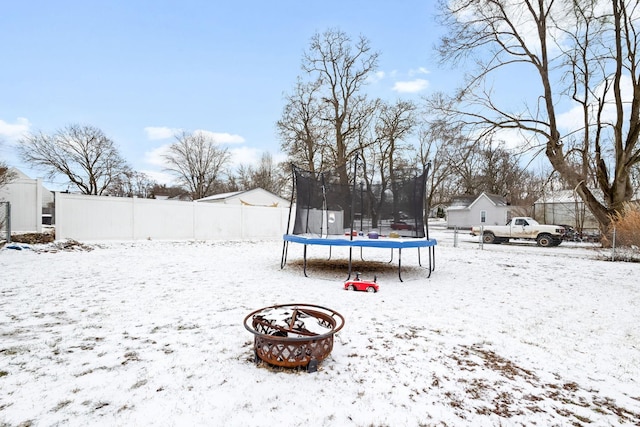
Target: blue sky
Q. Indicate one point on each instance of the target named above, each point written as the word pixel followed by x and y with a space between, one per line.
pixel 139 70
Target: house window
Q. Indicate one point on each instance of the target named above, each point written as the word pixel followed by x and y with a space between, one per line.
pixel 483 216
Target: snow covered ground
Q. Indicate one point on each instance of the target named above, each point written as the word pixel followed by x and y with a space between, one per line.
pixel 151 333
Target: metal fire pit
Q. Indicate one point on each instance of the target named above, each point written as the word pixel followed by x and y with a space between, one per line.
pixel 293 335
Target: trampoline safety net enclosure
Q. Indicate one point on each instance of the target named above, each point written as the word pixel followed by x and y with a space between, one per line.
pixel 331 213
pixel 325 207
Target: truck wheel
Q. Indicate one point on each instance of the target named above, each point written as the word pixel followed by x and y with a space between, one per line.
pixel 488 237
pixel 544 240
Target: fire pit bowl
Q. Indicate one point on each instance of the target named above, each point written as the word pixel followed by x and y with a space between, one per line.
pixel 293 335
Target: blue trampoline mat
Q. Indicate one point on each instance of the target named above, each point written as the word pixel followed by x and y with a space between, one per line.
pixel 360 242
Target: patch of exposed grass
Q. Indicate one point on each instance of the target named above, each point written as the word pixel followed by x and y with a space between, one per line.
pixel 33 238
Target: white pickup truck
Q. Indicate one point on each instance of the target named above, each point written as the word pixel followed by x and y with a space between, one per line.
pixel 521 228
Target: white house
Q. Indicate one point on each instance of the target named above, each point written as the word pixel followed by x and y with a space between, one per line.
pixel 469 211
pixel 255 197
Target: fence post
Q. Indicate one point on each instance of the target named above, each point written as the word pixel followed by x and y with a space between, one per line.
pixel 8 221
pixel 455 236
pixel 613 245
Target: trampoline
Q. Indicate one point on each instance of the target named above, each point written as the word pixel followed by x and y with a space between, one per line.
pixel 388 215
pixel 387 243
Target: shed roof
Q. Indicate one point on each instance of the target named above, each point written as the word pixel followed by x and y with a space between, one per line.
pixel 238 194
pixel 565 196
pixel 221 196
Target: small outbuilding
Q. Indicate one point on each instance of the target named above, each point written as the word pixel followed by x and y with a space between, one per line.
pixel 565 207
pixel 468 211
pixel 254 197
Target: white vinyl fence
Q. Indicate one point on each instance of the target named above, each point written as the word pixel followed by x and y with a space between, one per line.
pixel 25 196
pixel 83 217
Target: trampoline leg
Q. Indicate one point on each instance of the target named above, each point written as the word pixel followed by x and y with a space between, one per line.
pixel 432 255
pixel 391 260
pixel 285 250
pixel 432 252
pixel 434 258
pixel 304 262
pixel 350 250
pixel 419 263
pixel 400 264
pixel 328 259
pixel 361 257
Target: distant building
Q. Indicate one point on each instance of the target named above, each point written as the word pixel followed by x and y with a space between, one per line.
pixel 468 211
pixel 565 207
pixel 31 203
pixel 255 197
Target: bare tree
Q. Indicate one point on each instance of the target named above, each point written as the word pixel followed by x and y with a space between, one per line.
pixel 500 173
pixel 303 132
pixel 266 175
pixel 82 153
pixel 131 184
pixel 342 68
pixel 386 158
pixel 447 154
pixel 198 162
pixel 162 191
pixel 395 123
pixel 579 53
pixel 6 174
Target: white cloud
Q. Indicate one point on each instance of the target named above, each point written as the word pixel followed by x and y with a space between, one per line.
pixel 511 138
pixel 376 77
pixel 156 156
pixel 572 119
pixel 160 177
pixel 245 156
pixel 412 86
pixel 279 157
pixel 162 132
pixel 12 132
pixel 221 138
pixel 417 71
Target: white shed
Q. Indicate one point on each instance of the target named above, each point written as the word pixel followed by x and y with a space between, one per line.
pixel 255 197
pixel 466 212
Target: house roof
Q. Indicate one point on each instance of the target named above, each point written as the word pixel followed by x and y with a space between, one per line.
pixel 461 201
pixel 497 200
pixel 18 173
pixel 467 202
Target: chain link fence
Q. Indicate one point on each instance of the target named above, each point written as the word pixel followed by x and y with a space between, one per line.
pixel 5 222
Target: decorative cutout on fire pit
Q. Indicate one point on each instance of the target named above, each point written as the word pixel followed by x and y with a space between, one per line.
pixel 293 335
